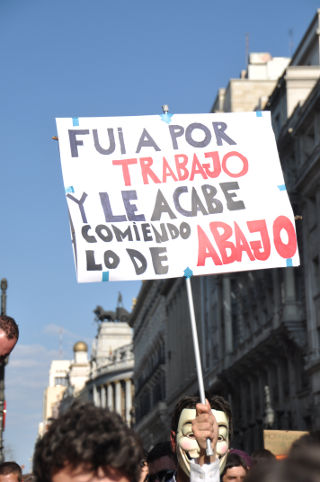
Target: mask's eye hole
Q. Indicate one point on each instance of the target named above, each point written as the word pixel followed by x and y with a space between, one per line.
pixel 191 435
pixel 221 438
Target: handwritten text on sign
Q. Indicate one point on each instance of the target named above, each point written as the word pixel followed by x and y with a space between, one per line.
pixel 150 196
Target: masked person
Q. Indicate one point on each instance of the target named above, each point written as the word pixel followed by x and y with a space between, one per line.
pixel 192 423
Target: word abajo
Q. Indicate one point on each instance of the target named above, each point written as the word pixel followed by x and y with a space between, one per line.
pixel 259 249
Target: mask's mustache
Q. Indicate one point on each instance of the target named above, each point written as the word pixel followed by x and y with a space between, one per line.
pixel 191 458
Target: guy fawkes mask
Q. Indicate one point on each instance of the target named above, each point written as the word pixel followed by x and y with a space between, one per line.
pixel 187 447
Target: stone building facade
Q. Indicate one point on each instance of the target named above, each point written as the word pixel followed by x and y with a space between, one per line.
pixel 66 380
pixel 252 89
pixel 110 382
pixel 149 321
pixel 106 378
pixel 259 331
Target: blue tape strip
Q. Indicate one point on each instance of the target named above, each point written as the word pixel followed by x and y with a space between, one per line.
pixel 75 121
pixel 188 273
pixel 289 262
pixel 258 113
pixel 282 187
pixel 105 276
pixel 166 117
pixel 69 189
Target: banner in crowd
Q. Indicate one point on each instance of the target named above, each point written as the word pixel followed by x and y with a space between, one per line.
pixel 151 196
pixel 279 442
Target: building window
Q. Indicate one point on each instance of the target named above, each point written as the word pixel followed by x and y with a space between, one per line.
pixel 309 141
pixel 61 381
pixel 316 275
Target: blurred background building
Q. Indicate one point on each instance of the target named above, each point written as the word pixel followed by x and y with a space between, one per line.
pixel 105 378
pixel 259 331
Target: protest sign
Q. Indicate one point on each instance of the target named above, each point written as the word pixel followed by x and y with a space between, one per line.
pixel 279 441
pixel 149 196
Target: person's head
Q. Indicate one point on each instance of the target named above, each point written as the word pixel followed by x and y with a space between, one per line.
pixel 235 469
pixel 244 455
pixel 310 442
pixel 9 334
pixel 162 462
pixel 266 471
pixel 183 441
pixel 262 456
pixel 10 472
pixel 303 461
pixel 88 443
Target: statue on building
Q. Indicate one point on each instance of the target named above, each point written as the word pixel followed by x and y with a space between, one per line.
pixel 121 314
pixel 102 315
pixel 269 412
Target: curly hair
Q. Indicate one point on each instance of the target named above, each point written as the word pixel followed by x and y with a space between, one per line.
pixel 9 326
pixel 216 402
pixel 89 436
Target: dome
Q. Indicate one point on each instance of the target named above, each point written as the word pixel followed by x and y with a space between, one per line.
pixel 80 346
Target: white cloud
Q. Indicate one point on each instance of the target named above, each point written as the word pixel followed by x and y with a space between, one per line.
pixel 26 377
pixel 25 357
pixel 54 329
pixel 64 335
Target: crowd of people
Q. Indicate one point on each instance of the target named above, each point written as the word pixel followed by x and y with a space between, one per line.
pixel 92 444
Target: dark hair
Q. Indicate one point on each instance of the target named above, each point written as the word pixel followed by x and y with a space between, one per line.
pixel 161 449
pixel 303 461
pixel 216 402
pixel 301 465
pixel 28 477
pixel 309 440
pixel 11 468
pixel 262 456
pixel 9 326
pixel 233 460
pixel 90 436
pixel 266 471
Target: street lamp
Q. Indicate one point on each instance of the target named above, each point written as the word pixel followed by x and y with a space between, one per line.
pixel 4 286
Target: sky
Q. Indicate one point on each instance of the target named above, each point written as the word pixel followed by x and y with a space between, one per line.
pixel 71 58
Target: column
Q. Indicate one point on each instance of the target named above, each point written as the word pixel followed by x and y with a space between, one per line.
pixel 291 307
pixel 226 297
pixel 276 298
pixel 118 397
pixel 128 402
pixel 96 400
pixel 110 396
pixel 103 396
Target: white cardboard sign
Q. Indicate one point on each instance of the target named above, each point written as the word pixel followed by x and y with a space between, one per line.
pixel 150 196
